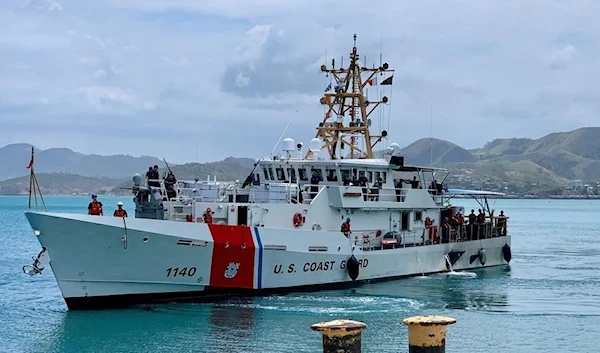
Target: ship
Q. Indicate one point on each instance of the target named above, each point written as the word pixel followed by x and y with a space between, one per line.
pixel 343 212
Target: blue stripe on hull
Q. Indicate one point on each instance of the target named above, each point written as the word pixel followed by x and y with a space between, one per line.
pixel 260 257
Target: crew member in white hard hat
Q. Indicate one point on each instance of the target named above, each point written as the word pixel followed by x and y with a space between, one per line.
pixel 120 212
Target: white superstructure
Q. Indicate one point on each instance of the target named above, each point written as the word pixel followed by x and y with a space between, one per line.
pixel 284 228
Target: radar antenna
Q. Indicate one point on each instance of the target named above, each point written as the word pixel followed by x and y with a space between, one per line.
pixel 346 120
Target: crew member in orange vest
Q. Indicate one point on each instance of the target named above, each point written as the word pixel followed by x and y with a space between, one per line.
pixel 207 216
pixel 120 212
pixel 95 207
pixel 346 227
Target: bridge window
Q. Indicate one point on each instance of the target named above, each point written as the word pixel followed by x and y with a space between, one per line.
pixel 266 172
pixel 346 175
pixel 384 176
pixel 370 176
pixel 377 176
pixel 319 173
pixel 331 175
pixel 302 174
pixel 280 173
pixel 292 174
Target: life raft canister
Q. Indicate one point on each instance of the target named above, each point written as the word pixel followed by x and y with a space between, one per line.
pixel 298 219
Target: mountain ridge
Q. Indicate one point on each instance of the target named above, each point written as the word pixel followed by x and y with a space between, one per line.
pixel 552 160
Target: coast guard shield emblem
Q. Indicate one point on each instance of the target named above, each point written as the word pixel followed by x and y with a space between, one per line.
pixel 232 269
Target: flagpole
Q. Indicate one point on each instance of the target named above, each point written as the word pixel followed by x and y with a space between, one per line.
pixel 40 192
pixel 34 186
pixel 30 177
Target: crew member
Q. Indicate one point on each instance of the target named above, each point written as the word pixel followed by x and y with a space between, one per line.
pixel 120 211
pixel 153 176
pixel 95 207
pixel 446 230
pixel 189 218
pixel 170 182
pixel 346 227
pixel 501 224
pixel 314 184
pixel 207 216
pixel 414 183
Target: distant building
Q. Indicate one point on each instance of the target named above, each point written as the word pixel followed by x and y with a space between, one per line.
pixel 576 183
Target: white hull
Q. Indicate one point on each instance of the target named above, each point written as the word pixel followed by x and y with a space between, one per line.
pixel 109 261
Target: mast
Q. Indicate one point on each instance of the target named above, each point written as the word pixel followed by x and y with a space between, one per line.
pixel 346 122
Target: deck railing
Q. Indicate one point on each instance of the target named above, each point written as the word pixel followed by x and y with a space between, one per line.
pixel 203 191
pixel 465 232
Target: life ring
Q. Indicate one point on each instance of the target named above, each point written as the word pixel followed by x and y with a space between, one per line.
pixel 297 219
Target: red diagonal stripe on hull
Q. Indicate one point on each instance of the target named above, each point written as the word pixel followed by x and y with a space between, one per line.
pixel 233 256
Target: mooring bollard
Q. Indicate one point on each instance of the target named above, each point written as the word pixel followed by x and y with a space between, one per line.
pixel 427 334
pixel 341 336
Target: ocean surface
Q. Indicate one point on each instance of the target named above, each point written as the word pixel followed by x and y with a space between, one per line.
pixel 547 300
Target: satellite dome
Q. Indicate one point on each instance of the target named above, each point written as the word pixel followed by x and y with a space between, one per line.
pixel 315 145
pixel 289 144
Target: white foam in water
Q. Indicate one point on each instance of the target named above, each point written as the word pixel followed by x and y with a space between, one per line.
pixel 458 274
pixel 461 274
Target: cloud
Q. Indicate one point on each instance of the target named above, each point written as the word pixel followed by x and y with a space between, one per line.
pixel 151 76
pixel 559 59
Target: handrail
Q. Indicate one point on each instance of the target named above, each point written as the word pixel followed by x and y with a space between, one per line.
pixel 466 231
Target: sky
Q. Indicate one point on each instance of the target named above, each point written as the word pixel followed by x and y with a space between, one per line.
pixel 193 80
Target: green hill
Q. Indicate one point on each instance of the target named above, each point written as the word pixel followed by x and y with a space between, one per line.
pixel 15 158
pixel 424 151
pixel 59 183
pixel 514 165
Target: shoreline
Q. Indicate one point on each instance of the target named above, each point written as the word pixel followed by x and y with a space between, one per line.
pixel 551 197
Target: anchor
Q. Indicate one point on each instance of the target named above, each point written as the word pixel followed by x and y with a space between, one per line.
pixel 39 263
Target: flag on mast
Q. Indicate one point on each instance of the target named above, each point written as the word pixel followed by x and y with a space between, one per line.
pixel 373 81
pixel 30 163
pixel 387 81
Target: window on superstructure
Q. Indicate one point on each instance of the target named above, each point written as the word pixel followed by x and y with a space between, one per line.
pixel 346 175
pixel 318 171
pixel 418 216
pixel 377 176
pixel 370 176
pixel 280 173
pixel 302 174
pixel 291 174
pixel 265 170
pixel 331 175
pixel 384 176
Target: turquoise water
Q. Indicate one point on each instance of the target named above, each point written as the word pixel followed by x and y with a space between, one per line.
pixel 547 300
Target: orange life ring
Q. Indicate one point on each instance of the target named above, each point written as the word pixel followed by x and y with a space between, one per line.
pixel 297 219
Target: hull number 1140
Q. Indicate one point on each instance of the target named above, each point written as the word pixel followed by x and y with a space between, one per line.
pixel 181 272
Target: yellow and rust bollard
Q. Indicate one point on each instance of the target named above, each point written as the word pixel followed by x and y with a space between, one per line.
pixel 427 334
pixel 341 336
